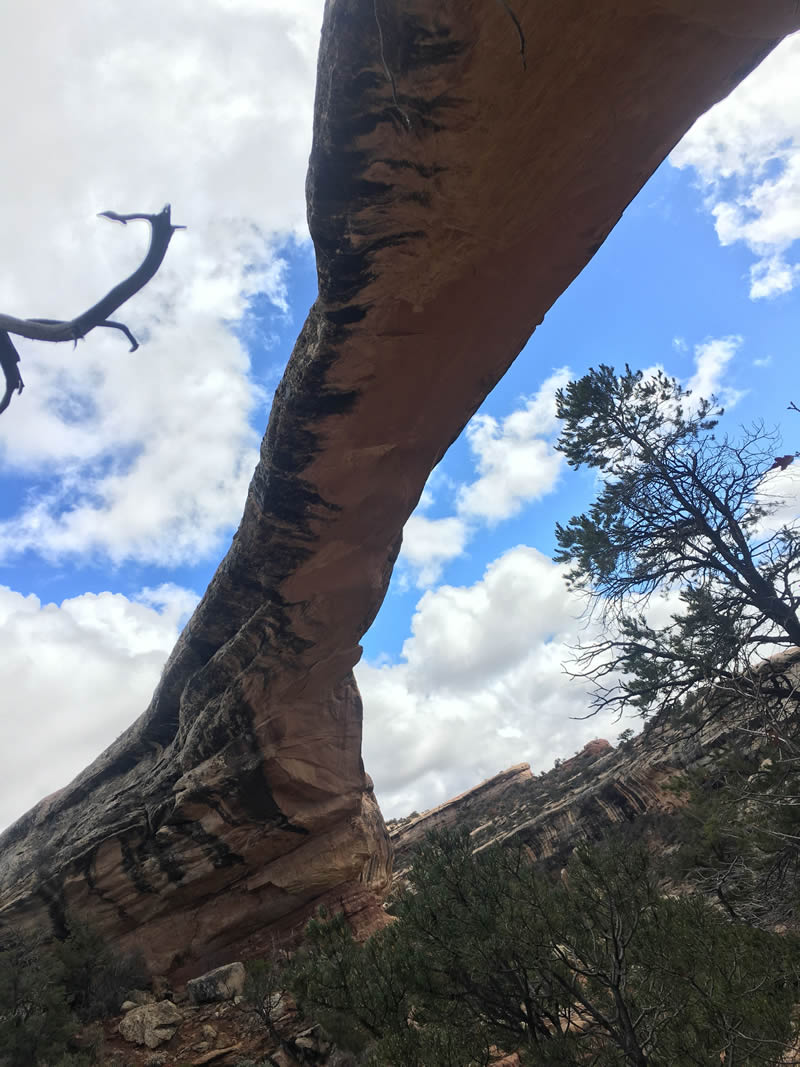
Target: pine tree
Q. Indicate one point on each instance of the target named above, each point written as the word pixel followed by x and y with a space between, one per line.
pixel 681 513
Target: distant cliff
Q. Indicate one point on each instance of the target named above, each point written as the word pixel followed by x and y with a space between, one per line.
pixel 579 800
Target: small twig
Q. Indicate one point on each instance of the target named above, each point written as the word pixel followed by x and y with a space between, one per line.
pixel 58 330
pixel 520 33
pixel 108 322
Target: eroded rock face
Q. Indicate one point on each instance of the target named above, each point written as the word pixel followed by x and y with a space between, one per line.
pixel 461 175
pixel 477 807
pixel 577 802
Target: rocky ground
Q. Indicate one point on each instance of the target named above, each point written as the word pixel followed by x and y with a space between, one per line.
pixel 222 1034
pixel 177 1031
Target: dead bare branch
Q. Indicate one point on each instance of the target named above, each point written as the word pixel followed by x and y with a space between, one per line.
pixel 57 330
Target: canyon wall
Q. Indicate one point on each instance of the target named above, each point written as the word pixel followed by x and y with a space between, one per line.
pixel 469 157
pixel 580 800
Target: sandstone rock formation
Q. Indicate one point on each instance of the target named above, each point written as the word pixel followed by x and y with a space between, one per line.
pixel 466 165
pixel 477 807
pixel 580 800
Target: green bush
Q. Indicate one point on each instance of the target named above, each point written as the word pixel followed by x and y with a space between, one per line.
pixel 595 967
pixel 35 1019
pixel 47 991
pixel 97 977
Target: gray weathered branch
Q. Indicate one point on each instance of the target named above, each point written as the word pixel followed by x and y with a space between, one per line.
pixel 75 329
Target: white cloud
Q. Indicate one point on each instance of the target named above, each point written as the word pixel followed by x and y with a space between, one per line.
pixel 175 467
pixel 515 456
pixel 779 493
pixel 56 718
pixel 746 153
pixel 773 275
pixel 428 544
pixel 711 360
pixel 480 686
pixel 209 105
pixel 516 464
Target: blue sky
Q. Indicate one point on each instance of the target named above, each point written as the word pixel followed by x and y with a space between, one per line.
pixel 122 477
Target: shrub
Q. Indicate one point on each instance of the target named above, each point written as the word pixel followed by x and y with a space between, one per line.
pixel 97 976
pixel 598 967
pixel 35 1020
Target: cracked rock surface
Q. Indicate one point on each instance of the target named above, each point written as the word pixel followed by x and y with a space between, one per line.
pixel 453 193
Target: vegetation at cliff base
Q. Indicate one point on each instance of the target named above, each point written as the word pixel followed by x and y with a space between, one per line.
pixel 598 967
pixel 35 1018
pixel 736 835
pixel 49 991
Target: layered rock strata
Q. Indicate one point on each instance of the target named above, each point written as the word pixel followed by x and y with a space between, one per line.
pixel 469 158
pixel 487 804
pixel 580 800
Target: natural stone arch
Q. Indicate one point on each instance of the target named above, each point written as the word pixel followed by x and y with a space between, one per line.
pixel 238 801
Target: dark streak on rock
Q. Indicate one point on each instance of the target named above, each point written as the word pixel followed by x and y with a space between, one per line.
pixel 85 867
pixel 256 798
pixel 428 113
pixel 415 46
pixel 132 868
pixel 424 170
pixel 217 851
pixel 53 897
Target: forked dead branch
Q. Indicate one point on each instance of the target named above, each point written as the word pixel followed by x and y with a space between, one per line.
pixel 161 231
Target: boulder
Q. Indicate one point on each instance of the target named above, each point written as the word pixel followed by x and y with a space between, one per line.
pixel 223 983
pixel 466 164
pixel 151 1024
pixel 312 1039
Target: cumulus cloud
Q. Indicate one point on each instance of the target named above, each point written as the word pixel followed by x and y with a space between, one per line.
pixel 479 685
pixel 514 456
pixel 516 464
pixel 428 544
pixel 779 496
pixel 208 105
pixel 746 154
pixel 711 361
pixel 56 718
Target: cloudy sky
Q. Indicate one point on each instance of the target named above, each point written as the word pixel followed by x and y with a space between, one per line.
pixel 122 477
